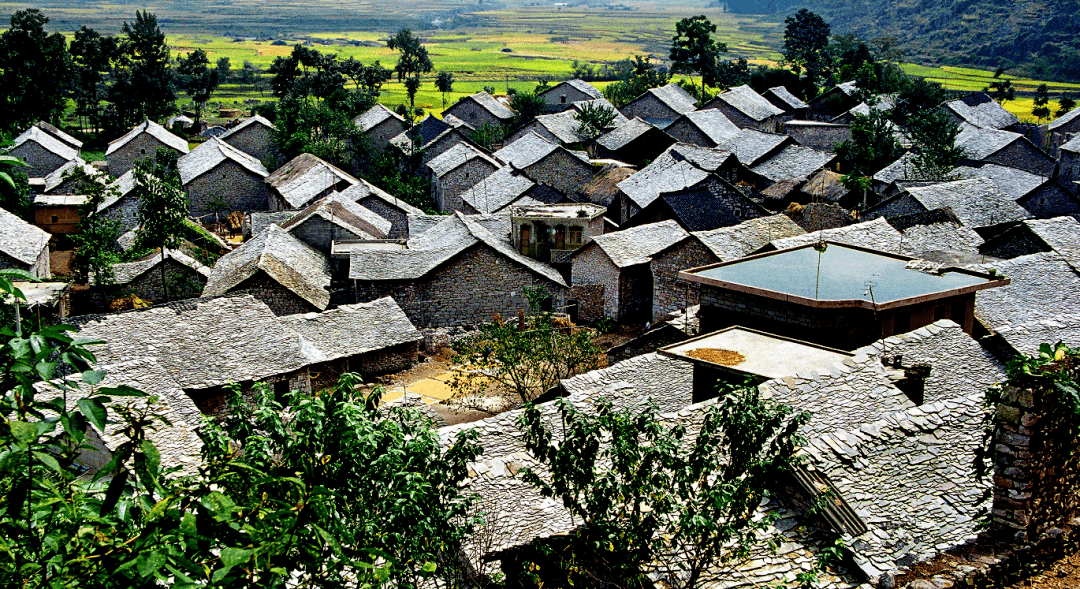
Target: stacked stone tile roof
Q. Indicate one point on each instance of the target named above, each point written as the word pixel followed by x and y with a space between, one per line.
pixel 792 101
pixel 793 162
pixel 637 245
pixel 876 235
pixel 47 141
pixel 488 103
pixel 941 236
pixel 1072 145
pixel 562 125
pixel 581 86
pixel 902 169
pixel 751 146
pixel 498 191
pixel 373 116
pixel 128 271
pixel 155 130
pixel 122 186
pixel 669 171
pixel 1012 181
pixel 980 143
pixel 981 110
pixel 1064 119
pixel 21 240
pixel 363 189
pixel 1061 234
pixel 56 132
pixel 290 262
pixel 57 177
pixel 210 154
pixel 430 249
pixel 674 97
pixel 339 210
pixel 709 159
pixel 977 202
pixel 711 122
pixel 335 333
pixel 739 241
pixel 497 223
pixel 248 122
pixel 526 151
pixel 305 177
pixel 261 221
pixel 622 135
pixel 457 156
pixel 745 100
pixel 666 381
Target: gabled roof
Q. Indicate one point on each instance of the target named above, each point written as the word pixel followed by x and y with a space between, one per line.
pixel 497 191
pixel 305 177
pixel 579 85
pixel 434 247
pixel 290 262
pixel 751 145
pixel 210 154
pixel 56 177
pixel 48 142
pixel 125 273
pixel 364 189
pixel 488 103
pixel 1061 234
pixel 876 235
pixel 745 100
pixel 1072 145
pixel 562 125
pixel 429 128
pixel 1015 182
pixel 347 214
pixel 457 156
pixel 248 122
pixel 601 102
pixel 1064 119
pixel 154 130
pixel 711 122
pixel 696 208
pixel 666 173
pixel 709 159
pixel 498 224
pixel 980 110
pixel 637 245
pixel 673 96
pixel 21 240
pixel 980 143
pixel 334 333
pixel 526 151
pixel 623 135
pixel 375 115
pixel 122 186
pixel 927 235
pixel 739 241
pixel 59 134
pixel 977 202
pixel 262 220
pixel 789 100
pixel 793 162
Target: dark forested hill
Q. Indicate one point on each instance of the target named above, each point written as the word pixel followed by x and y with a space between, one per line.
pixel 1038 37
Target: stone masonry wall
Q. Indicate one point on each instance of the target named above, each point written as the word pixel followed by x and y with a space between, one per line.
pixel 238 187
pixel 182 283
pixel 125 211
pixel 399 221
pixel 592 266
pixel 449 188
pixel 141 147
pixel 742 121
pixel 40 162
pixel 649 107
pixel 254 140
pixel 381 134
pixel 590 301
pixel 1070 167
pixel 561 171
pixel 684 131
pixel 670 293
pixel 281 300
pixel 564 94
pixel 1049 201
pixel 1025 156
pixel 320 233
pixel 472 113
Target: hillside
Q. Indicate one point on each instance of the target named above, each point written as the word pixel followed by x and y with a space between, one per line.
pixel 1039 38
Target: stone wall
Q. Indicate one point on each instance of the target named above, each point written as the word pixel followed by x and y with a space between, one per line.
pixel 593 267
pixel 472 113
pixel 768 125
pixel 564 94
pixel 254 140
pixel 1070 168
pixel 670 293
pixel 1023 155
pixel 449 188
pixel 125 211
pixel 239 188
pixel 635 294
pixel 381 134
pixel 320 233
pixel 686 132
pixel 590 301
pixel 647 107
pixel 182 283
pixel 1050 200
pixel 139 148
pixel 40 269
pixel 399 221
pixel 823 137
pixel 281 300
pixel 40 162
pixel 385 361
pixel 562 171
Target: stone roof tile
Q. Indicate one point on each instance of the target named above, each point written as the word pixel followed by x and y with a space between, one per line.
pixel 977 202
pixel 739 241
pixel 876 235
pixel 47 141
pixel 457 156
pixel 21 240
pixel 982 111
pixel 154 130
pixel 745 100
pixel 210 154
pixel 344 213
pixel 637 245
pixel 497 191
pixel 304 177
pixel 368 119
pixel 248 122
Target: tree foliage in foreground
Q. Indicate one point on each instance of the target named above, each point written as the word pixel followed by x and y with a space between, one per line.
pixel 594 120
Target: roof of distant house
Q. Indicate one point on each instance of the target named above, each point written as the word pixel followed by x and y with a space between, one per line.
pixel 562 125
pixel 126 272
pixel 212 153
pixel 382 324
pixel 579 85
pixel 751 146
pixel 666 173
pixel 21 240
pixel 457 156
pixel 674 97
pixel 154 130
pixel 48 142
pixel 375 115
pixel 980 143
pixel 363 190
pixel 57 177
pixel 710 122
pixel 977 202
pixel 305 177
pixel 248 122
pixel 58 133
pixel 982 111
pixel 1014 182
pixel 876 235
pixel 623 135
pixel 789 99
pixel 345 213
pixel 1064 119
pixel 490 104
pixel 793 162
pixel 526 151
pixel 745 100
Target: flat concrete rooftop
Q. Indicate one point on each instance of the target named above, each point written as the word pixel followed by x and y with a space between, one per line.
pixel 765 355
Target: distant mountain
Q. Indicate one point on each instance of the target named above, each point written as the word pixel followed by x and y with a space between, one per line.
pixel 1037 37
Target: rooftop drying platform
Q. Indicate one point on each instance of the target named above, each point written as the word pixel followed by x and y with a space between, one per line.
pixel 748 352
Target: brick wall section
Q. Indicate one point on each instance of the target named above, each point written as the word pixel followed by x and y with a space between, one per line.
pixel 399 221
pixel 649 107
pixel 240 188
pixel 562 171
pixel 139 148
pixel 683 130
pixel 1025 156
pixel 40 162
pixel 590 301
pixel 126 211
pixel 281 300
pixel 448 189
pixel 381 134
pixel 467 290
pixel 182 283
pixel 254 140
pixel 593 267
pixel 670 293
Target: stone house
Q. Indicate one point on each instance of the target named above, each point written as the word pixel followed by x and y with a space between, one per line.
pixel 978 203
pixel 747 109
pixel 123 204
pixel 335 218
pixel 456 170
pixel 380 124
pixel 707 128
pixel 660 106
pixel 42 152
pixel 1033 236
pixel 1063 129
pixel 23 246
pixel 547 163
pixel 255 137
pixel 64 138
pixel 604 190
pixel 793 107
pixel 569 92
pixel 938 236
pixel 140 143
pixel 1005 148
pixel 299 352
pixel 635 143
pixel 277 268
pixel 456 273
pixel 885 103
pixel 679 167
pixel 60 180
pixel 670 293
pixel 1069 167
pixel 59 214
pixel 979 110
pixel 219 178
pixel 710 203
pixel 479 109
pixel 817 134
pixel 185 277
pixel 834 101
pixel 1044 198
pixel 494 193
pixel 383 204
pixel 619 263
pixel 412 144
pixel 303 180
pixel 560 129
pixel 792 164
pixel 551 233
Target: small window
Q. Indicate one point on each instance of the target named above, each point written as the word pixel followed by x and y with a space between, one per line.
pixel 575 236
pixel 562 99
pixel 55 219
pixel 143 151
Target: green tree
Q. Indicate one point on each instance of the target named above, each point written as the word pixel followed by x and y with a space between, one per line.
pixel 594 120
pixel 650 496
pixel 444 82
pixel 197 79
pixel 694 50
pixel 412 62
pixel 806 44
pixel 1065 104
pixel 639 77
pixel 933 137
pixel 95 237
pixel 163 205
pixel 35 71
pixel 873 145
pixel 224 69
pixel 1041 108
pixel 14 187
pixel 91 55
pixel 527 106
pixel 1001 89
pixel 488 135
pixel 143 87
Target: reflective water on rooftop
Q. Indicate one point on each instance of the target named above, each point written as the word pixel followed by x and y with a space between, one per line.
pixel 839 273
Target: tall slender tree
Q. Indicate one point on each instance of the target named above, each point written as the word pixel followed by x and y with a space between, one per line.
pixel 91 54
pixel 806 44
pixel 694 50
pixel 144 79
pixel 413 61
pixel 197 79
pixel 163 205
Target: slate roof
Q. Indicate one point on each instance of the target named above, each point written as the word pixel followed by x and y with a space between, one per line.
pixel 526 151
pixel 745 100
pixel 498 224
pixel 1061 234
pixel 127 272
pixel 982 111
pixel 430 249
pixel 1014 182
pixel 56 178
pixel 1072 145
pixel 488 103
pixel 876 235
pixel 210 154
pixel 980 143
pixel 696 208
pixel 1064 119
pixel 248 122
pixel 21 240
pixel 47 141
pixel 382 324
pixel 290 262
pixel 122 185
pixel 457 156
pixel 739 241
pixel 674 97
pixel 497 191
pixel 155 130
pixel 260 221
pixel 367 120
pixel 623 135
pixel 58 133
pixel 305 177
pixel 793 162
pixel 711 122
pixel 579 85
pixel 562 125
pixel 751 145
pixel 364 189
pixel 343 212
pixel 666 173
pixel 976 202
pixel 940 235
pixel 637 245
pixel 428 129
pixel 790 100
